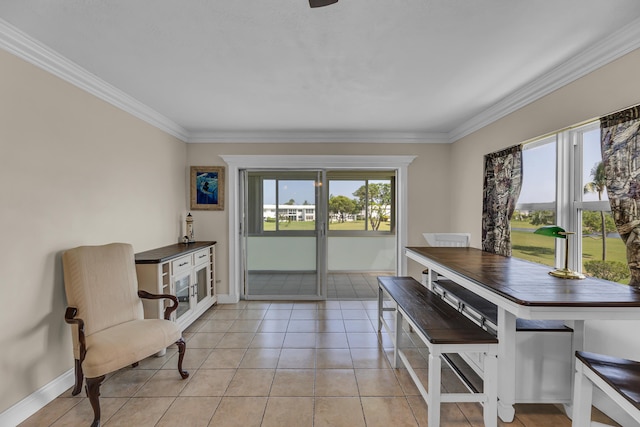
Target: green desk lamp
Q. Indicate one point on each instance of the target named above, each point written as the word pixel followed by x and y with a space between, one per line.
pixel 558 232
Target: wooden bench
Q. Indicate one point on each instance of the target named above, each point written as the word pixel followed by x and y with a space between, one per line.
pixel 443 330
pixel 618 378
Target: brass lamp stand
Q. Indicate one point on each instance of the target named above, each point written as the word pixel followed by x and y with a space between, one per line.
pixel 560 233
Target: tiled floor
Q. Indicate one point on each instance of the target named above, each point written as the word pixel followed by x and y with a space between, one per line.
pixel 277 364
pixel 339 285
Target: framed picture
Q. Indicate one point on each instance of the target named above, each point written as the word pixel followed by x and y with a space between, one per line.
pixel 207 188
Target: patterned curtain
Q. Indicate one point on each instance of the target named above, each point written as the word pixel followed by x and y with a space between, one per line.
pixel 621 157
pixel 502 183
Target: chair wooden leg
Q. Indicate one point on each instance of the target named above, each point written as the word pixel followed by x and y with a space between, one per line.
pixel 93 391
pixel 77 388
pixel 181 348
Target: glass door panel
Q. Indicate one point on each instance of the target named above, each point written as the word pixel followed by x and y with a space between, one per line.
pixel 182 285
pixel 201 283
pixel 281 240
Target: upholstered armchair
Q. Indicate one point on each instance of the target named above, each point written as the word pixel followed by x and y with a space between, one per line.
pixel 106 315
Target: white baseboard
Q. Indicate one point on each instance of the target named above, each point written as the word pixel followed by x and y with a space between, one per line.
pixel 227 299
pixel 37 400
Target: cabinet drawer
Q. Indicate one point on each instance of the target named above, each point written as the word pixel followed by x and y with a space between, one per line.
pixel 201 256
pixel 181 264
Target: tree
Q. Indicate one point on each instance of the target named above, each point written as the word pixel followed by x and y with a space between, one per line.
pixel 542 218
pixel 376 197
pixel 291 202
pixel 599 185
pixel 341 205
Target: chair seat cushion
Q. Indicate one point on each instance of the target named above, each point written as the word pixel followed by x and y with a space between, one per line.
pixel 127 343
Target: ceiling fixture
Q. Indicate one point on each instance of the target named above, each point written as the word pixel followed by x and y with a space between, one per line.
pixel 320 3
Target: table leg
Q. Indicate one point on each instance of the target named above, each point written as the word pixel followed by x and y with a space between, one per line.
pixel 577 344
pixel 507 362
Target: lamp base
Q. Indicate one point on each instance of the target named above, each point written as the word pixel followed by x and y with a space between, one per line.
pixel 565 273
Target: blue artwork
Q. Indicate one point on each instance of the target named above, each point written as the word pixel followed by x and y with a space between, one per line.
pixel 207 188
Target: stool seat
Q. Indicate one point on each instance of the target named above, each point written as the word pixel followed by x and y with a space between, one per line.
pixel 622 375
pixel 618 378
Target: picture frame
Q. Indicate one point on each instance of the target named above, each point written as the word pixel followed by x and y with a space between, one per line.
pixel 207 188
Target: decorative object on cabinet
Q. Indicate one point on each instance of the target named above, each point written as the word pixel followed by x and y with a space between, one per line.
pixel 207 188
pixel 190 234
pixel 109 329
pixel 186 271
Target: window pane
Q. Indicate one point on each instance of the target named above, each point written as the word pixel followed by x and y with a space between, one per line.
pixel 360 204
pixel 536 204
pixel 378 202
pixel 296 205
pixel 592 174
pixel 606 259
pixel 269 206
pixel 345 210
pixel 539 173
pixel 529 246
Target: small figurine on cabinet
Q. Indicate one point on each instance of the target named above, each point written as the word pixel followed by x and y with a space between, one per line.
pixel 190 234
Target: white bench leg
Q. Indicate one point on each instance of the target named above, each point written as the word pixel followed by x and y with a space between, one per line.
pixel 433 397
pixel 490 390
pixel 582 395
pixel 380 307
pixel 397 338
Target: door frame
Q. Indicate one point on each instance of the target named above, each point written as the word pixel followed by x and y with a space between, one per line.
pixel 372 162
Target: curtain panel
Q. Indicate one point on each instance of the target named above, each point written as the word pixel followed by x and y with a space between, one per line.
pixel 502 184
pixel 620 144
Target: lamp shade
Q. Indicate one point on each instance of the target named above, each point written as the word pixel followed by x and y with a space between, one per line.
pixel 552 231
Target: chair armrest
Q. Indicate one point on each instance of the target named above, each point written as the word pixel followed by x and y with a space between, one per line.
pixel 70 318
pixel 168 310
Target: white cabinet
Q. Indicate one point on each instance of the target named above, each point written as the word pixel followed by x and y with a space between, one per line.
pixel 184 270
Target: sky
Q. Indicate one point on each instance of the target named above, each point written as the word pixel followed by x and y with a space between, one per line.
pixel 539 169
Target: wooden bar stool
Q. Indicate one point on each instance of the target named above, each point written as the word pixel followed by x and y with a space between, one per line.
pixel 618 378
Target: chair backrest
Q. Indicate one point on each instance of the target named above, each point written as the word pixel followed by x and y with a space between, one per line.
pixel 448 239
pixel 101 282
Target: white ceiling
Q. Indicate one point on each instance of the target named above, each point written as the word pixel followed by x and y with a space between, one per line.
pixel 277 70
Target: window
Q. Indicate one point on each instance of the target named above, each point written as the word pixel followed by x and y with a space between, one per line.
pixel 361 202
pixel 563 184
pixel 537 203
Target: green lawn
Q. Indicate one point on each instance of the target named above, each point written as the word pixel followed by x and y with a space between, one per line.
pixel 540 249
pixel 309 225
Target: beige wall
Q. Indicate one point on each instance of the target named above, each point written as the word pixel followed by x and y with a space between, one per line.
pixel 611 88
pixel 428 189
pixel 73 171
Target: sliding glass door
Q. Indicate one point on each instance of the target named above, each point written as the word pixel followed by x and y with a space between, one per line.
pixel 282 234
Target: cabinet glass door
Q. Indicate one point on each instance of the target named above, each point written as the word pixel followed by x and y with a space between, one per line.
pixel 182 284
pixel 201 283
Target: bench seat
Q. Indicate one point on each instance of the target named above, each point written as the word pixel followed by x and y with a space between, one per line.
pixel 618 378
pixel 443 330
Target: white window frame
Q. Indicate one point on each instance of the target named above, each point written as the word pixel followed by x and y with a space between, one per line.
pixel 568 203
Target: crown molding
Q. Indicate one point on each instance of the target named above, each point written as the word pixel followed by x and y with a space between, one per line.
pixel 605 51
pixel 317 136
pixel 23 46
pixel 616 45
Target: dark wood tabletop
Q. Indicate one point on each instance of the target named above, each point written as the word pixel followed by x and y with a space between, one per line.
pixel 165 253
pixel 527 283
